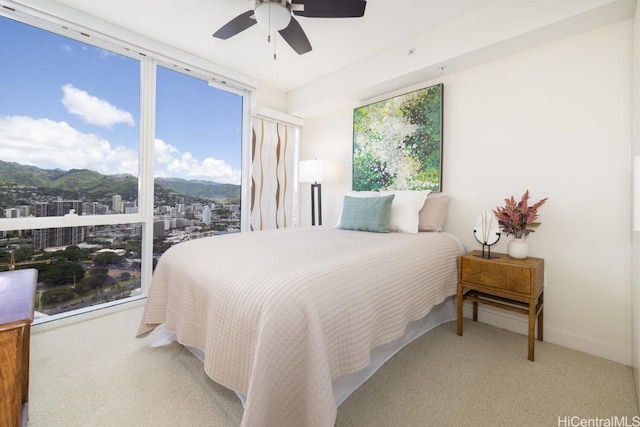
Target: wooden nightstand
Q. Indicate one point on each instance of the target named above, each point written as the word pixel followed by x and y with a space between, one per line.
pixel 504 282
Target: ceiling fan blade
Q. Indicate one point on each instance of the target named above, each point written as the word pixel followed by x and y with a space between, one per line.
pixel 236 25
pixel 296 38
pixel 330 8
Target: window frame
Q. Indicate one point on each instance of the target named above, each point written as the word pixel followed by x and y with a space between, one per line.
pixel 66 21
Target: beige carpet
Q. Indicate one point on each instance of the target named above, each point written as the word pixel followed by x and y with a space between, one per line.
pixel 95 373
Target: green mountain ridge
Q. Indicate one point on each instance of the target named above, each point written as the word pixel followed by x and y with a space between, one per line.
pixel 24 184
pixel 199 188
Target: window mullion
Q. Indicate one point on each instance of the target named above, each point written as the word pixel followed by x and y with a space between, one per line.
pixel 146 164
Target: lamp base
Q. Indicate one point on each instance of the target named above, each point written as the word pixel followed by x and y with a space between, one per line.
pixel 487 254
pixel 316 189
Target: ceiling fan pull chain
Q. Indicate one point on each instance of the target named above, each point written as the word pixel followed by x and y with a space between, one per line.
pixel 269 29
pixel 274 34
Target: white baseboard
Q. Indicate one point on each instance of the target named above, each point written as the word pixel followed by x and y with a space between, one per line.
pixel 51 322
pixel 517 323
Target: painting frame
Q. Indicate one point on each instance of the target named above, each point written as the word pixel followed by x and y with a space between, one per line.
pixel 397 142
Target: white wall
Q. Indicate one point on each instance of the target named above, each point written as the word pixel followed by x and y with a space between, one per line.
pixel 636 234
pixel 555 120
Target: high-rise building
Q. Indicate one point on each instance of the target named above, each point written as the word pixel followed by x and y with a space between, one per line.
pixel 90 208
pixel 129 207
pixel 116 203
pixel 206 215
pixel 60 236
pixel 158 229
pixel 12 213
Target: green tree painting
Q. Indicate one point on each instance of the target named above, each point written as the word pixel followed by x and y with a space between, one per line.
pixel 397 143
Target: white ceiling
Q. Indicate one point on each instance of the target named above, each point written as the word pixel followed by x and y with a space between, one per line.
pixel 189 25
pixel 358 57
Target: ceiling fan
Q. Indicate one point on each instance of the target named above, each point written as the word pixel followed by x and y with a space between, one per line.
pixel 275 15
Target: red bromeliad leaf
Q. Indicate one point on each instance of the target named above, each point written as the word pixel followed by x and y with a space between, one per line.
pixel 518 218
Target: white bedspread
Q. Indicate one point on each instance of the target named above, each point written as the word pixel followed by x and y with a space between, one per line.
pixel 278 314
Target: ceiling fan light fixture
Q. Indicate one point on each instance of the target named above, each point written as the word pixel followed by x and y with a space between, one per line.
pixel 273 15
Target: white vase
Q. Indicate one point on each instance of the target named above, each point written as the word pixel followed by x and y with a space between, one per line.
pixel 518 248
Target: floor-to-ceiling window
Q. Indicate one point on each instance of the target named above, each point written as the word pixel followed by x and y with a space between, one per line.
pixel 198 159
pixel 99 172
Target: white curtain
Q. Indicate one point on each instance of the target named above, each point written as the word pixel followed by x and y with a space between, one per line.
pixel 274 177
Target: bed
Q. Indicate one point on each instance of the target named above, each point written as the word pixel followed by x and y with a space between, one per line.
pixel 287 317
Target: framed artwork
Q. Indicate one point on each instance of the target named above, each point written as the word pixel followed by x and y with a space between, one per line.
pixel 397 142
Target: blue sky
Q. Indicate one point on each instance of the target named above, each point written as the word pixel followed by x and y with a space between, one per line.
pixel 65 104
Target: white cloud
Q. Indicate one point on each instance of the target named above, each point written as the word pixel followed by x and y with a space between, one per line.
pixel 171 163
pixel 164 152
pixel 105 54
pixel 93 110
pixel 49 145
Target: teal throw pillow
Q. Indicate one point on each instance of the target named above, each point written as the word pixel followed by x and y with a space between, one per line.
pixel 366 213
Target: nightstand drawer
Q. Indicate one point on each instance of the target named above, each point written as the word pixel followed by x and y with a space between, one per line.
pixel 496 275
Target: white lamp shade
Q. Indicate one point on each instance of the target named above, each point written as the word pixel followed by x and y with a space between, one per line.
pixel 316 171
pixel 272 15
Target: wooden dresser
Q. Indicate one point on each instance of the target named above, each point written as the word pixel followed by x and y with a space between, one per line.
pixel 17 297
pixel 512 284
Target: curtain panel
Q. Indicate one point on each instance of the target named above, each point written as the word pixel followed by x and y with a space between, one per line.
pixel 274 164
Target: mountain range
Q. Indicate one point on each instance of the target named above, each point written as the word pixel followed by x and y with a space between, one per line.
pixel 23 184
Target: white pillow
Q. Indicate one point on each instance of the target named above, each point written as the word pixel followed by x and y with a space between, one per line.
pixel 405 209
